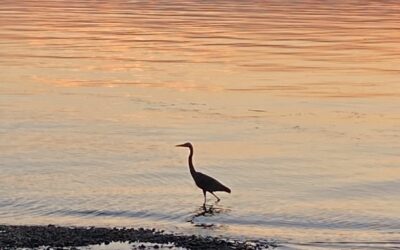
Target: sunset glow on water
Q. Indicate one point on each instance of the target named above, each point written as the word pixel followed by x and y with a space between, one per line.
pixel 293 105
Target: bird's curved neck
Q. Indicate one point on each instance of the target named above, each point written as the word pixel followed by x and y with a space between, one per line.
pixel 191 167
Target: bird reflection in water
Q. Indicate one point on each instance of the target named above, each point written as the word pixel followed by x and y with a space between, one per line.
pixel 206 211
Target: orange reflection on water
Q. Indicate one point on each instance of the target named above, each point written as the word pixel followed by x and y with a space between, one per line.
pixel 277 49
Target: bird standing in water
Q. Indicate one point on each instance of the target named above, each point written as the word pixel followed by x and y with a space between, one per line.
pixel 204 182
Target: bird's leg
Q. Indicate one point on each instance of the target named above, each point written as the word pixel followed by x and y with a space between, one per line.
pixel 204 193
pixel 218 199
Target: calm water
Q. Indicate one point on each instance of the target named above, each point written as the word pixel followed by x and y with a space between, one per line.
pixel 292 104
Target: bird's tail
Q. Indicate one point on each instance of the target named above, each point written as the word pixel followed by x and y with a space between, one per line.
pixel 226 189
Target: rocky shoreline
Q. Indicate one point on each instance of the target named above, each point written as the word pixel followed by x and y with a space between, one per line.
pixel 12 237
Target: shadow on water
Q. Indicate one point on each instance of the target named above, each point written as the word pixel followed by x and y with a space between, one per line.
pixel 205 211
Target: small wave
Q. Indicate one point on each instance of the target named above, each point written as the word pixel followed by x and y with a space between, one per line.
pixel 112 213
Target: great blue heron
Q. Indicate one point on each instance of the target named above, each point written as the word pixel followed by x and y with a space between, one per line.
pixel 204 182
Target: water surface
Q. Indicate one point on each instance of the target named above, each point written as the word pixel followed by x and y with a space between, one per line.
pixel 293 105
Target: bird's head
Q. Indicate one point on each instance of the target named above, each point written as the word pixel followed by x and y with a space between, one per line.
pixel 185 145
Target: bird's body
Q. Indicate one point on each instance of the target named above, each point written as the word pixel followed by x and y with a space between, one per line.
pixel 209 184
pixel 203 181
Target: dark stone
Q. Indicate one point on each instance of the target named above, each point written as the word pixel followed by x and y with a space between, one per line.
pixel 55 237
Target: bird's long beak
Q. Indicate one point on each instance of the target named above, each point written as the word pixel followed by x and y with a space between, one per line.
pixel 179 145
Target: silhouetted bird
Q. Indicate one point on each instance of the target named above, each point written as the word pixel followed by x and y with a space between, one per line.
pixel 204 182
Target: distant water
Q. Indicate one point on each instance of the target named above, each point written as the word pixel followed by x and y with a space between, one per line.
pixel 295 105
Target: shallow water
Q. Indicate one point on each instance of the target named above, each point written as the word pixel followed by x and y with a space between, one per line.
pixel 293 105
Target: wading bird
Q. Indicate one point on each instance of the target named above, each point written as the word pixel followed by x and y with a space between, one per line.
pixel 204 182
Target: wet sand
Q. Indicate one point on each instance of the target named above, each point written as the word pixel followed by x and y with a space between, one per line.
pixel 70 237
